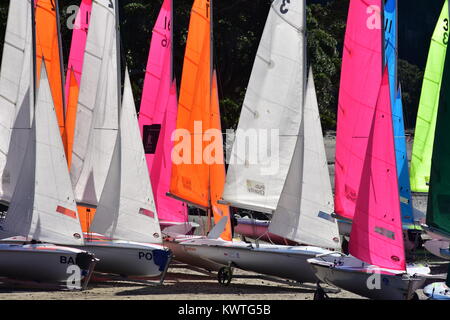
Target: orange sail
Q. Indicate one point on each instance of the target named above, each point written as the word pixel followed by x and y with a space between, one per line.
pixel 190 175
pixel 71 117
pixel 47 47
pixel 198 172
pixel 217 169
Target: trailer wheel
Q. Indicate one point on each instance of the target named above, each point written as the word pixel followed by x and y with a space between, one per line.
pixel 224 276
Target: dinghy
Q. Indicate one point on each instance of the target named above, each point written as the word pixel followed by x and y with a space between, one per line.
pixel 35 179
pixel 377 266
pixel 424 134
pixel 437 220
pixel 280 60
pixel 108 164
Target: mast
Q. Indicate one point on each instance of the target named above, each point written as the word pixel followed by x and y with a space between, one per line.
pixel 61 60
pixel 33 45
pixel 119 67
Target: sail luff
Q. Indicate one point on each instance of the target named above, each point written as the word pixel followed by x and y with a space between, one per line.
pixel 376 237
pixel 428 105
pixel 360 82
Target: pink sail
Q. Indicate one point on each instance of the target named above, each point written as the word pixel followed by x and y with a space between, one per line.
pixel 79 37
pixel 158 116
pixel 376 235
pixel 360 82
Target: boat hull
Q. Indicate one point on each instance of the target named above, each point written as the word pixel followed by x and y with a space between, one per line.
pixel 285 262
pixel 258 229
pixel 127 258
pixel 44 263
pixel 353 275
pixel 181 254
pixel 438 248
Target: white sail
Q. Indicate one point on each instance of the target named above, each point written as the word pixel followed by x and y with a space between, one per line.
pixel 16 94
pixel 304 211
pixel 43 205
pixel 272 106
pixel 126 209
pixel 98 104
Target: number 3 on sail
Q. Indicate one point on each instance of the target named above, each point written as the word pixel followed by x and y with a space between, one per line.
pixel 283 8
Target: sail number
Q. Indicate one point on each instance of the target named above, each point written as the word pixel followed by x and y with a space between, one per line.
pixel 110 5
pixel 284 6
pixel 208 5
pixel 445 40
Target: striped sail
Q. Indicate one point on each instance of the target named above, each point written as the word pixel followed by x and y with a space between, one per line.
pixel 271 114
pixel 428 105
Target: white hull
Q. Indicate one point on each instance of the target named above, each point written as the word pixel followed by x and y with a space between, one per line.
pixel 181 254
pixel 285 262
pixel 437 291
pixel 45 263
pixel 353 275
pixel 128 258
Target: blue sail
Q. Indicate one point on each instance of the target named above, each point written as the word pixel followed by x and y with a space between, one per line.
pixel 390 16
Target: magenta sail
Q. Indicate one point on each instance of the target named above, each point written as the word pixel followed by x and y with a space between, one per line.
pixel 376 235
pixel 359 86
pixel 158 116
pixel 79 37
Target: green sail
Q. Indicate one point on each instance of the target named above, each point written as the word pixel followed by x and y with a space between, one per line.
pixel 438 210
pixel 428 105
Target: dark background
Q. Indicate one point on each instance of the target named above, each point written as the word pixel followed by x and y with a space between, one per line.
pixel 238 25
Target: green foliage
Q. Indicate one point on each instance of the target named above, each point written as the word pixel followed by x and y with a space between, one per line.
pixel 237 31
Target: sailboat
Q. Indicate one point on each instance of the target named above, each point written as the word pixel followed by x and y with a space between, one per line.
pixel 40 197
pixel 425 136
pixel 367 187
pixel 437 221
pixel 108 163
pixel 282 35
